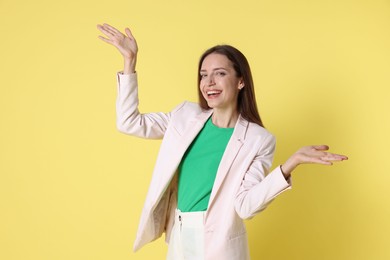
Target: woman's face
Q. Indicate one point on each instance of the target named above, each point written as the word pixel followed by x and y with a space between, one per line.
pixel 219 84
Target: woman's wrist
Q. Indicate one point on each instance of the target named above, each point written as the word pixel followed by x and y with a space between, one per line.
pixel 129 66
pixel 289 166
pixel 285 174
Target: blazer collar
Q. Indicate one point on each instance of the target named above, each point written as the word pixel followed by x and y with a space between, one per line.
pixel 195 126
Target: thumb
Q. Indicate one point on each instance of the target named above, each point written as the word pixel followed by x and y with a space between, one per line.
pixel 321 147
pixel 128 33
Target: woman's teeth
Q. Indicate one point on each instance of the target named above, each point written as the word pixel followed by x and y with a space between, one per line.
pixel 213 92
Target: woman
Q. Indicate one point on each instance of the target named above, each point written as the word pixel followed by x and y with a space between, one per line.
pixel 212 168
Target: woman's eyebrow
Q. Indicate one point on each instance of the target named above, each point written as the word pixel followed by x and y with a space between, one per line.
pixel 219 68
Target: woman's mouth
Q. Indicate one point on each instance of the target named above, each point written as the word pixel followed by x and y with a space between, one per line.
pixel 213 93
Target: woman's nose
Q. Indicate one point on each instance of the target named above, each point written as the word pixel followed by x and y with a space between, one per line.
pixel 211 80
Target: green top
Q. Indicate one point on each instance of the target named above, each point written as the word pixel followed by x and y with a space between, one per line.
pixel 199 166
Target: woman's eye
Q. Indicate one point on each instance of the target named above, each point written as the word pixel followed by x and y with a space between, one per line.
pixel 202 76
pixel 221 73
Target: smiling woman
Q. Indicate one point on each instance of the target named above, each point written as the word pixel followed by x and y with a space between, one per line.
pixel 214 159
pixel 234 64
pixel 220 86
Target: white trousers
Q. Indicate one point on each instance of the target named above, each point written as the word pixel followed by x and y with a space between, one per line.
pixel 187 236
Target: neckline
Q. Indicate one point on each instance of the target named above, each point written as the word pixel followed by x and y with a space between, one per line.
pixel 210 122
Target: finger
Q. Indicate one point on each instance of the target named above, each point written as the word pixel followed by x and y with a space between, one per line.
pixel 105 31
pixel 129 34
pixel 109 27
pixel 318 161
pixel 112 29
pixel 100 27
pixel 334 157
pixel 105 39
pixel 313 152
pixel 322 147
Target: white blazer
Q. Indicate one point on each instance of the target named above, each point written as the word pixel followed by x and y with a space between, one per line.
pixel 243 186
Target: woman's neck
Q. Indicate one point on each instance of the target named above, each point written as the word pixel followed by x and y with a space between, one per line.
pixel 224 119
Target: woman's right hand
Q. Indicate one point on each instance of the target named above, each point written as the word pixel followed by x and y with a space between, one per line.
pixel 126 44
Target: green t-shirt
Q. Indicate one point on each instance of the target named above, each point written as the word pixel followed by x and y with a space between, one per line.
pixel 199 166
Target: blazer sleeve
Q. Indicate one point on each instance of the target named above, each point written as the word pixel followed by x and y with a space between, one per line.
pixel 129 120
pixel 259 187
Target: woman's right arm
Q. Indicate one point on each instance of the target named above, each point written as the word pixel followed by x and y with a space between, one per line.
pixel 129 119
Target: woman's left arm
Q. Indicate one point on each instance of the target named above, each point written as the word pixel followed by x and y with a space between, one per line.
pixel 259 188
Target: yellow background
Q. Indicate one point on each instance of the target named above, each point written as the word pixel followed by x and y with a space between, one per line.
pixel 72 187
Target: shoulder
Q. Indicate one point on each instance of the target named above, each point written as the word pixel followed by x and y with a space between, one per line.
pixel 185 116
pixel 259 131
pixel 260 137
pixel 261 140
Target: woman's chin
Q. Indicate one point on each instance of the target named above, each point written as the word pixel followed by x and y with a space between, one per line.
pixel 211 105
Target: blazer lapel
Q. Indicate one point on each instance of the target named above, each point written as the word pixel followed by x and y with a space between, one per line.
pixel 231 151
pixel 193 130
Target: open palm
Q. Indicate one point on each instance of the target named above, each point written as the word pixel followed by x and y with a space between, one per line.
pixel 126 44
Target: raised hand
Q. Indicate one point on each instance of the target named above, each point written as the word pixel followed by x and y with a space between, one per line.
pixel 311 154
pixel 126 44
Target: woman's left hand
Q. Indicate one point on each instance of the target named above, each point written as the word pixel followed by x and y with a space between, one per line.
pixel 311 154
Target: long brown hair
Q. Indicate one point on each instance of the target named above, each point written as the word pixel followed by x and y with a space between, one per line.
pixel 246 104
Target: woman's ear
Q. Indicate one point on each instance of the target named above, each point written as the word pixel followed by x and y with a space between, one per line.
pixel 241 84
